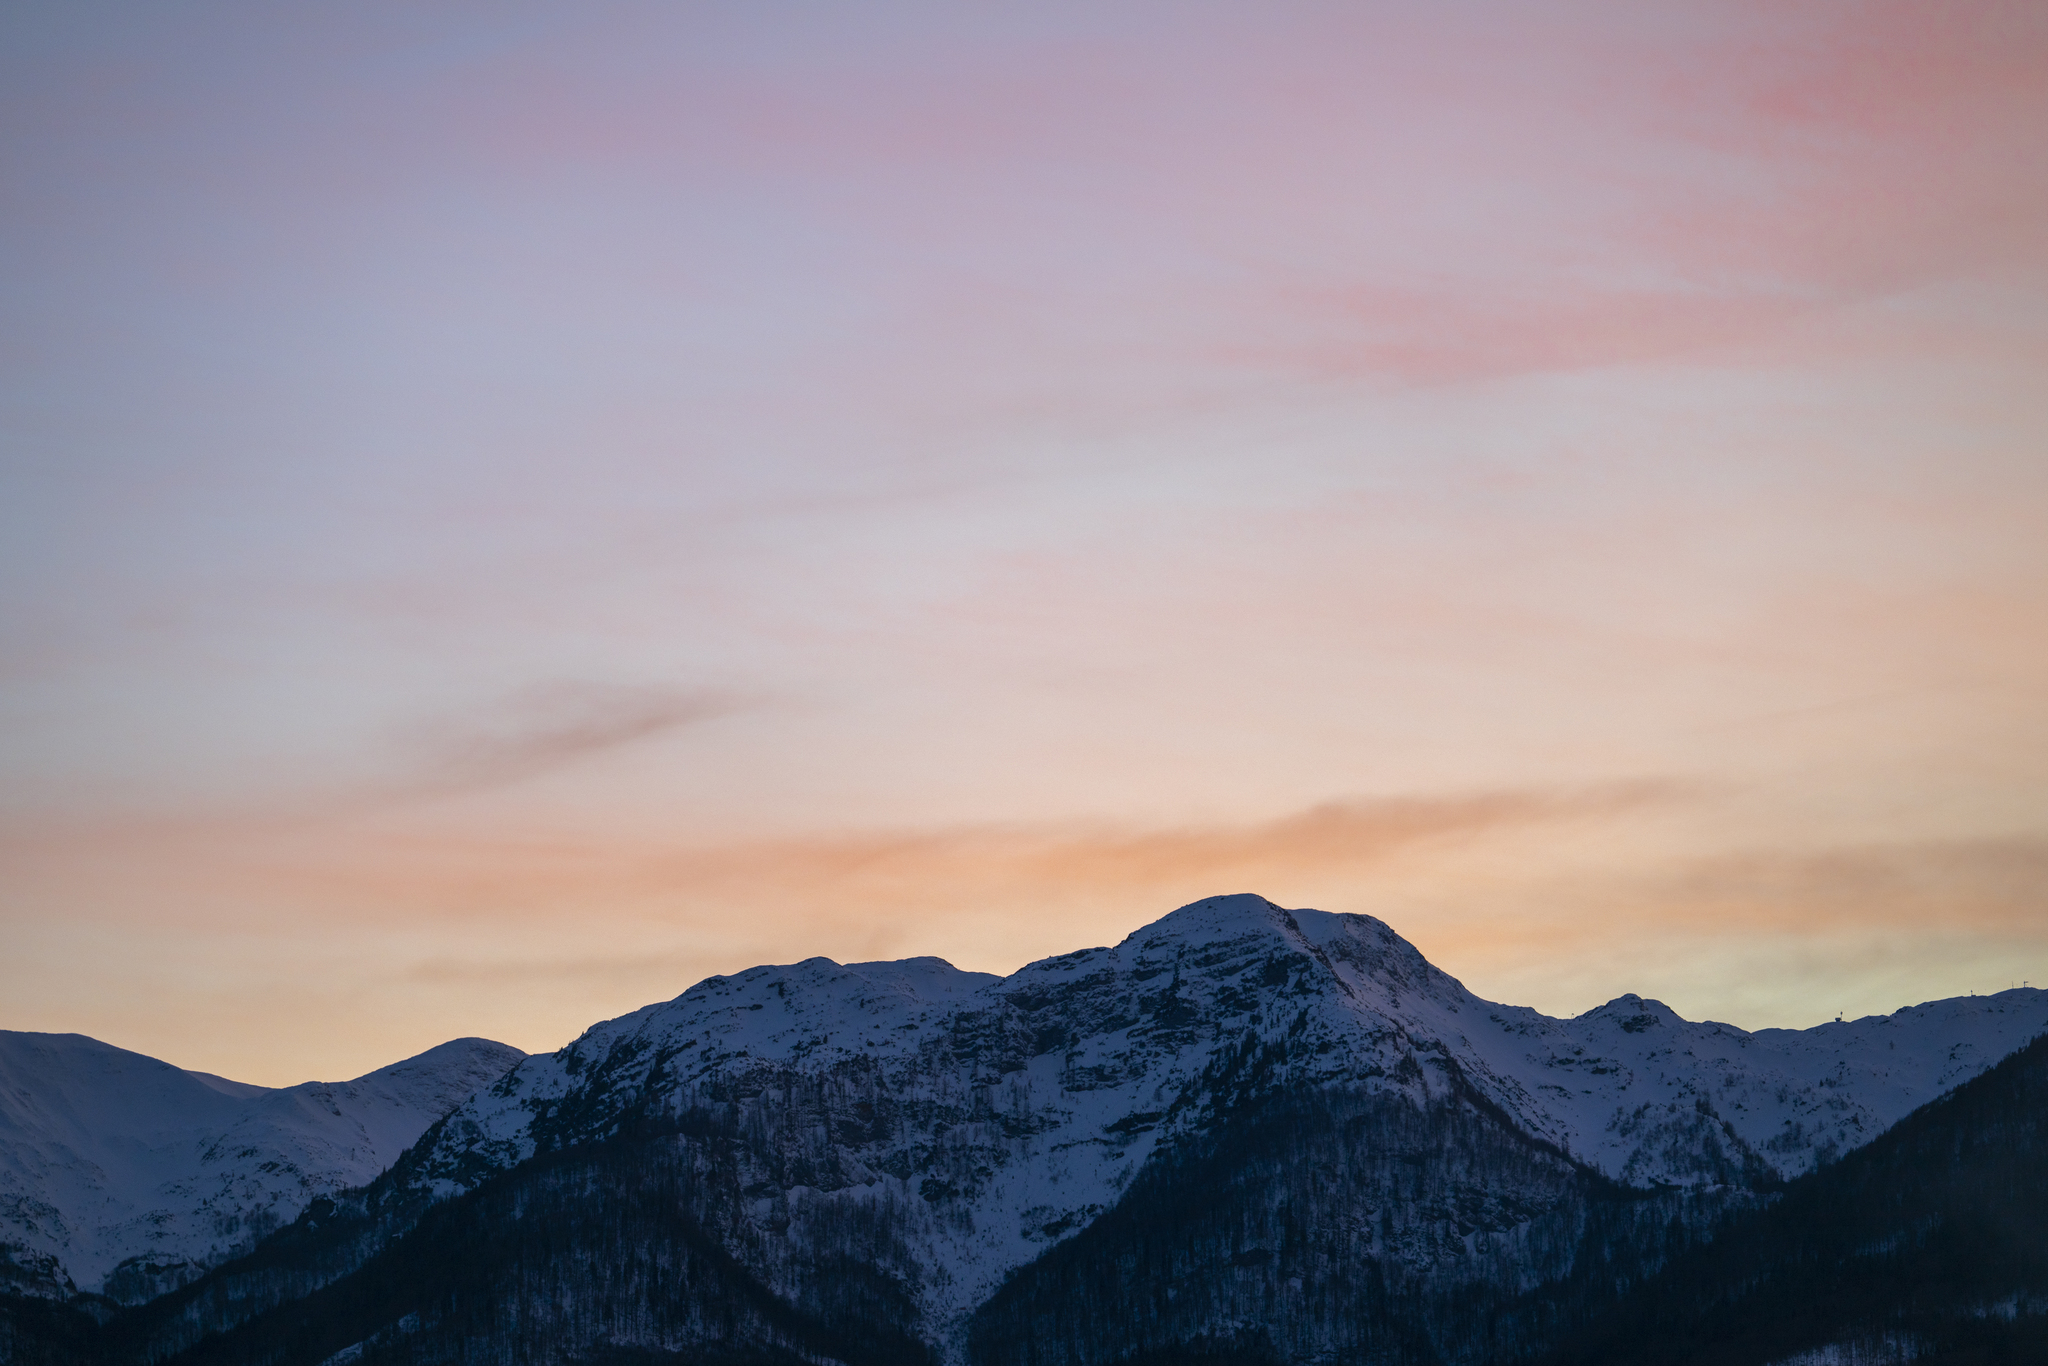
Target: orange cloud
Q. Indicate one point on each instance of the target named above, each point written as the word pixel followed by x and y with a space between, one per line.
pixel 1553 898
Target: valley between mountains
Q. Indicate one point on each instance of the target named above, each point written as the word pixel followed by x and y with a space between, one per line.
pixel 1245 1134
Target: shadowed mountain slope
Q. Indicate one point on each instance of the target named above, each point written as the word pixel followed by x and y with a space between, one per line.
pixel 1930 1244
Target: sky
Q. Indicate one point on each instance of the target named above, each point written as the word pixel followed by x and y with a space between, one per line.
pixel 507 509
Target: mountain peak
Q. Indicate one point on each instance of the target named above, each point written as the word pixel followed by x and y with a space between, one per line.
pixel 1214 918
pixel 1635 1013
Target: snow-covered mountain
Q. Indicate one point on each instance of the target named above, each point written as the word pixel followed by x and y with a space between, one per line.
pixel 985 1119
pixel 1244 1133
pixel 124 1174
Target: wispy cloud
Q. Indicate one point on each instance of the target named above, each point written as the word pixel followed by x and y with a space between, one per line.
pixel 547 727
pixel 1101 859
pixel 1478 883
pixel 389 871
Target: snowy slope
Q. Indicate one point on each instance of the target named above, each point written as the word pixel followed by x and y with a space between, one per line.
pixel 1641 1093
pixel 123 1173
pixel 994 1116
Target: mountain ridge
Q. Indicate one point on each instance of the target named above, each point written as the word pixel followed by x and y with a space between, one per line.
pixel 1019 1108
pixel 1331 1148
pixel 124 1174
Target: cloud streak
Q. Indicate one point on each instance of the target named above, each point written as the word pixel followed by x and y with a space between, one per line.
pixel 1557 898
pixel 547 728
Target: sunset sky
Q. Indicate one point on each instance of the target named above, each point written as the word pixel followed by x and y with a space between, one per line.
pixel 509 509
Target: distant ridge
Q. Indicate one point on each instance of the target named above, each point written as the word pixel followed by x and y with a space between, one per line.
pixel 124 1175
pixel 1926 1245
